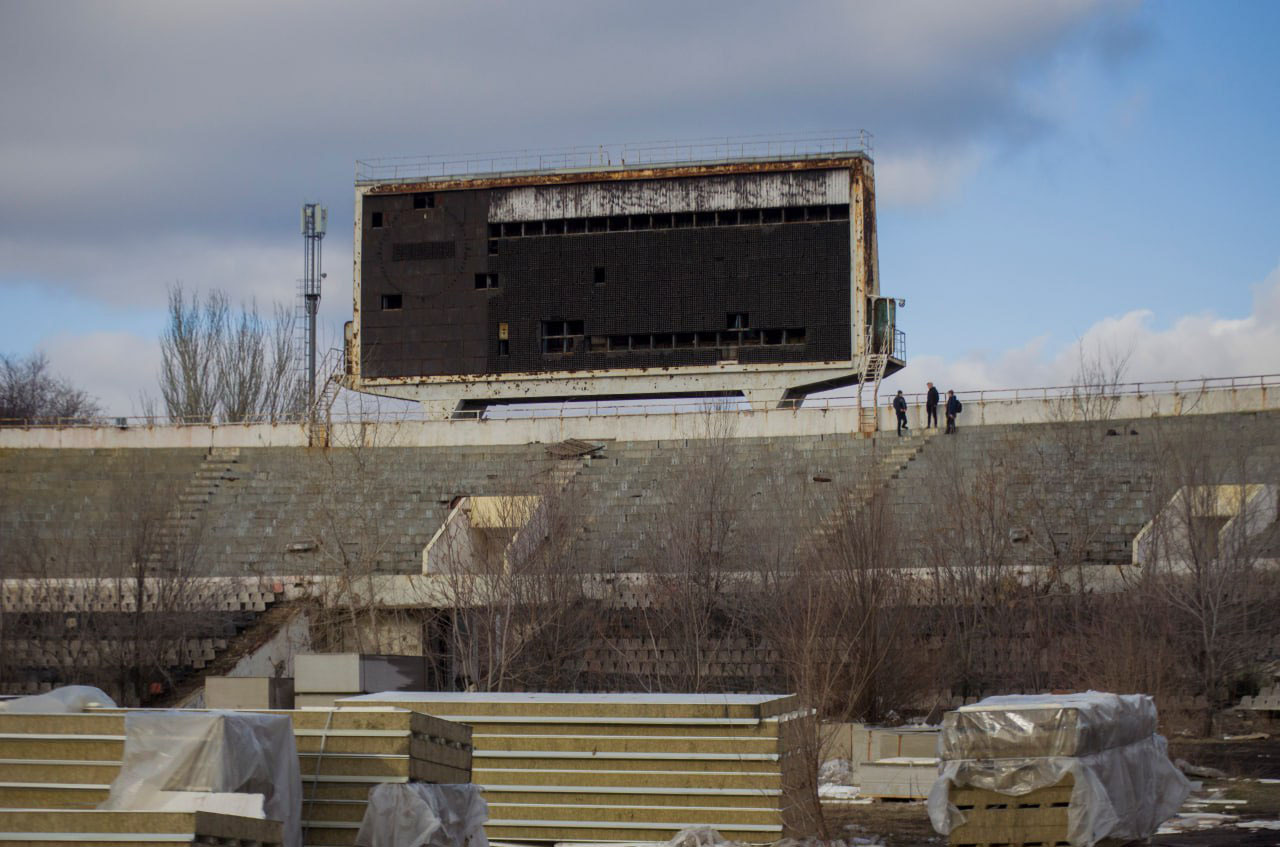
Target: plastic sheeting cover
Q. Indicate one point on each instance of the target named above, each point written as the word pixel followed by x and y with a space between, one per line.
pixel 66 700
pixel 1046 725
pixel 416 814
pixel 1123 791
pixel 215 751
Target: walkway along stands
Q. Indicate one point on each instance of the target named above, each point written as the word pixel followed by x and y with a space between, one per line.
pixel 1054 769
pixel 634 767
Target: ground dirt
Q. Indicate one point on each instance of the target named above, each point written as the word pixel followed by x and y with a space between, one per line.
pixel 1245 763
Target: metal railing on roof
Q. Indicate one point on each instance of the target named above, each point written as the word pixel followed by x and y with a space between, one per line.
pixel 687 405
pixel 621 156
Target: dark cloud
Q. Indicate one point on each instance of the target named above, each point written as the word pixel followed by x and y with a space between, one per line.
pixel 142 133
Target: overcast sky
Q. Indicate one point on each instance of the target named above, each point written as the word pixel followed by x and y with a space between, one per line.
pixel 1048 171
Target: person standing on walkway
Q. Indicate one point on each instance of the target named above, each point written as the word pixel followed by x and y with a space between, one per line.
pixel 954 407
pixel 931 408
pixel 900 407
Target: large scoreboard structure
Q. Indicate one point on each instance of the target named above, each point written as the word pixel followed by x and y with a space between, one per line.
pixel 749 276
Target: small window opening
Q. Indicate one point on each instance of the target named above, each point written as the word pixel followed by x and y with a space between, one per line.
pixel 486 280
pixel 598 344
pixel 375 220
pixel 424 201
pixel 771 216
pixel 598 276
pixel 705 219
pixel 561 336
pixel 739 320
pixel 683 219
pixel 504 347
pixel 391 302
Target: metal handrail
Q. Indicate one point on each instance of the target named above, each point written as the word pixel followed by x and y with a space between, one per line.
pixel 588 408
pixel 627 154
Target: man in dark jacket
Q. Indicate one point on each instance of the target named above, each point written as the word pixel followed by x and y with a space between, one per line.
pixel 953 409
pixel 931 408
pixel 900 406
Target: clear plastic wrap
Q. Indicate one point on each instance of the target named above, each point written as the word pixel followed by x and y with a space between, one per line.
pixel 1120 790
pixel 1046 725
pixel 167 752
pixel 66 700
pixel 417 814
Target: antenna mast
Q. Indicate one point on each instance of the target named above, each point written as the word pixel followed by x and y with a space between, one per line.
pixel 315 218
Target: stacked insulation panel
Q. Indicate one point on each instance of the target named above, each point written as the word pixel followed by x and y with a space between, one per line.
pixel 68 761
pixel 1077 769
pixel 49 828
pixel 633 767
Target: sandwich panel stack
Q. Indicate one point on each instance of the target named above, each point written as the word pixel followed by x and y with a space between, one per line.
pixel 632 767
pixel 68 761
pixel 43 828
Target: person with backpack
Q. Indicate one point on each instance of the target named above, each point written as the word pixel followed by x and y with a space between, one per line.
pixel 954 407
pixel 900 407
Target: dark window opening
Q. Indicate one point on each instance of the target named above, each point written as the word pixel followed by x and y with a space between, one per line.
pixel 792 215
pixel 391 302
pixel 738 320
pixel 597 225
pixel 555 227
pixel 424 201
pixel 486 280
pixel 375 220
pixel 598 276
pixel 728 218
pixel 493 247
pixel 618 223
pixel 575 225
pixel 771 216
pixel 749 216
pixel 839 213
pixel 816 213
pixel 504 347
pixel 561 336
pixel 705 219
pixel 683 219
pixel 495 230
pixel 533 228
pixel 511 230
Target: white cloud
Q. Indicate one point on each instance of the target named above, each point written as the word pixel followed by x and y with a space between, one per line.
pixel 924 177
pixel 1191 347
pixel 113 367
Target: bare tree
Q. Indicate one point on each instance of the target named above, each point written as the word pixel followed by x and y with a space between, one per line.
pixel 220 364
pixel 31 394
pixel 1201 557
pixel 523 609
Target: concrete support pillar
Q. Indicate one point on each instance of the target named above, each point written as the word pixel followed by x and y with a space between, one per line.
pixel 440 410
pixel 768 398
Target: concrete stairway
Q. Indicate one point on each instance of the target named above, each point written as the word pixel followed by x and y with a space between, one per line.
pixel 217 468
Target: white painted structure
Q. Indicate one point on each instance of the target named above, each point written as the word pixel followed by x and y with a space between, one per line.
pixel 675 421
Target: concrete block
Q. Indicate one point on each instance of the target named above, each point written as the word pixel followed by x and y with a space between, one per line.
pixel 354 673
pixel 248 692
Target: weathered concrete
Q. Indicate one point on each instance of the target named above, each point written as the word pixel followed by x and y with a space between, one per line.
pixel 660 426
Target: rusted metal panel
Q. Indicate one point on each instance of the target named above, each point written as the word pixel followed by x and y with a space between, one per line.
pixel 688 194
